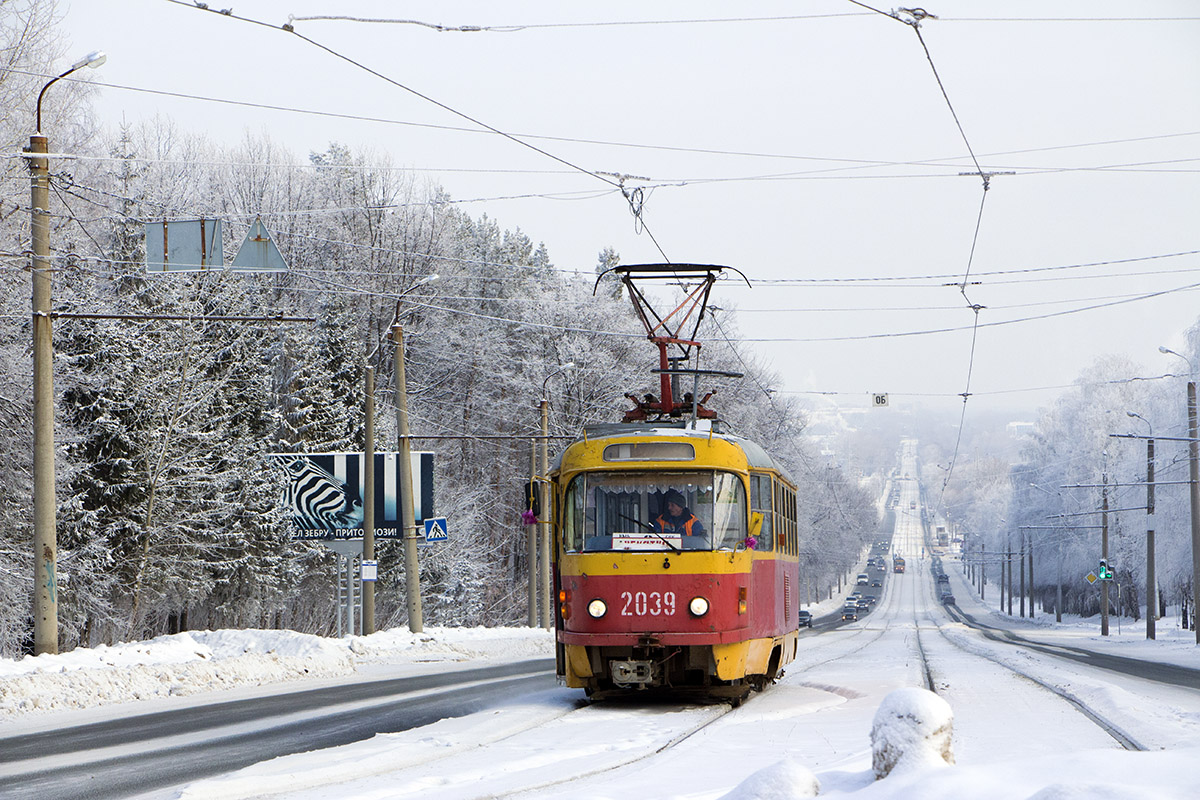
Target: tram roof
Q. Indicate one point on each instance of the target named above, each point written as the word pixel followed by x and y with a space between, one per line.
pixel 756 456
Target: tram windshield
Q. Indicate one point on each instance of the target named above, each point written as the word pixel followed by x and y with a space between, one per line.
pixel 653 511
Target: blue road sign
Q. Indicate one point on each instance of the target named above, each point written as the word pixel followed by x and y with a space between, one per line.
pixel 436 530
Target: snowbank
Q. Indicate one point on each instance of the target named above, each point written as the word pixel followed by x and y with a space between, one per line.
pixel 201 661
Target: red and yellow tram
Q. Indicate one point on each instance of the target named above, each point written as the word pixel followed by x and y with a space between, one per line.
pixel 711 606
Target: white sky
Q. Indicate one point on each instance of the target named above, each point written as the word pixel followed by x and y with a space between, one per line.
pixel 1012 738
pixel 856 172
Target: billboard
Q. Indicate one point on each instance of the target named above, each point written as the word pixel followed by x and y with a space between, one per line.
pixel 324 493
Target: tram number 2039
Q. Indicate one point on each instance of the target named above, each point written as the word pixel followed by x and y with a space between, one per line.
pixel 641 604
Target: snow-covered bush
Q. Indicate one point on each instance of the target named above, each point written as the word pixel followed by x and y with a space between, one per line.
pixel 913 728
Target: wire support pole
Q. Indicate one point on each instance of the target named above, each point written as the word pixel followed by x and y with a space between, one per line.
pixel 1194 497
pixel 45 535
pixel 412 569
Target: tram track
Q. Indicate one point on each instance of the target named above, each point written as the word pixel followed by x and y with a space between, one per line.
pixel 1108 726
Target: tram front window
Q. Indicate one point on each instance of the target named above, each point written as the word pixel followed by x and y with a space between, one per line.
pixel 631 511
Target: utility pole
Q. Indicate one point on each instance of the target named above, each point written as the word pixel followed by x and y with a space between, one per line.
pixel 45 533
pixel 531 541
pixel 1104 553
pixel 1031 592
pixel 1008 560
pixel 412 570
pixel 1194 495
pixel 1058 594
pixel 1151 593
pixel 1194 480
pixel 1021 564
pixel 544 486
pixel 982 569
pixel 368 553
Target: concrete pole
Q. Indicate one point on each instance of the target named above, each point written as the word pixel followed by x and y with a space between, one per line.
pixel 1194 475
pixel 1151 594
pixel 1031 592
pixel 531 542
pixel 412 569
pixel 1104 556
pixel 368 553
pixel 982 569
pixel 544 486
pixel 1010 577
pixel 1021 564
pixel 45 535
pixel 1058 596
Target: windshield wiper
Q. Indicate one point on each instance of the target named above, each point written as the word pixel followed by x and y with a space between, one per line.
pixel 650 528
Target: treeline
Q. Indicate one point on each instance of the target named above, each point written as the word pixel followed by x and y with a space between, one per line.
pixel 168 513
pixel 1077 460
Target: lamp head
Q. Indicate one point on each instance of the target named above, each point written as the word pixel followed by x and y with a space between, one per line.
pixel 92 59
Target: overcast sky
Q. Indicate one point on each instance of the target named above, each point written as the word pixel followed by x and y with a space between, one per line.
pixel 810 145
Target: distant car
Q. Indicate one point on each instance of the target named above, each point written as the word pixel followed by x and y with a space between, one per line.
pixel 863 579
pixel 943 578
pixel 875 582
pixel 850 613
pixel 863 605
pixel 947 599
pixel 805 619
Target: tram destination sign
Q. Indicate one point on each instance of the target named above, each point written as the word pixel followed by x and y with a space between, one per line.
pixel 323 493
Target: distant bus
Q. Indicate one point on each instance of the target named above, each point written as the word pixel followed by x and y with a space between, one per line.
pixel 898 564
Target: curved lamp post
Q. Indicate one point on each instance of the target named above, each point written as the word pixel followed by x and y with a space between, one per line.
pixel 45 538
pixel 1194 477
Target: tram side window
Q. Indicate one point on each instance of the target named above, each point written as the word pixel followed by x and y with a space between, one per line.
pixel 760 503
pixel 786 521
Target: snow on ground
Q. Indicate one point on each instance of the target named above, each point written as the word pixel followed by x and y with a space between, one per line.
pixel 204 661
pixel 811 730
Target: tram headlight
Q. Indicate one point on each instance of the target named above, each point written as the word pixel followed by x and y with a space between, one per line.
pixel 597 608
pixel 698 606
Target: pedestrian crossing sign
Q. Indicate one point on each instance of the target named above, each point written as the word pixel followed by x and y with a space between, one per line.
pixel 436 530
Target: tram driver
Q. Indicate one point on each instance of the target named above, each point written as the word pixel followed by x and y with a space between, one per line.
pixel 678 518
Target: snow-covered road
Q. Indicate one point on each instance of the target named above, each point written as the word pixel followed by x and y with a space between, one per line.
pixel 1027 721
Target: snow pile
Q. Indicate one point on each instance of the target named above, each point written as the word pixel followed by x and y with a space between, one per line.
pixel 201 661
pixel 783 780
pixel 913 728
pixel 453 644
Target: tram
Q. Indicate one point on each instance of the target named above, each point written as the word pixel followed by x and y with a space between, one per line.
pixel 675 548
pixel 898 564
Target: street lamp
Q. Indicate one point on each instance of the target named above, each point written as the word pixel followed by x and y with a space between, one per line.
pixel 45 537
pixel 1194 477
pixel 543 567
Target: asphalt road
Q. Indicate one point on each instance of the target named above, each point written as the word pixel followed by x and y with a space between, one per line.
pixel 133 755
pixel 1170 674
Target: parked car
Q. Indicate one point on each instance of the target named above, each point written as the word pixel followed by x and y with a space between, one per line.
pixel 805 618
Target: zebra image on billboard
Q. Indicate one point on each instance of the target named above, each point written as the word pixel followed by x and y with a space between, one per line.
pixel 324 493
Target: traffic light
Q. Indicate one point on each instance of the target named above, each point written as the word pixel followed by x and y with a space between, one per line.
pixel 1105 573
